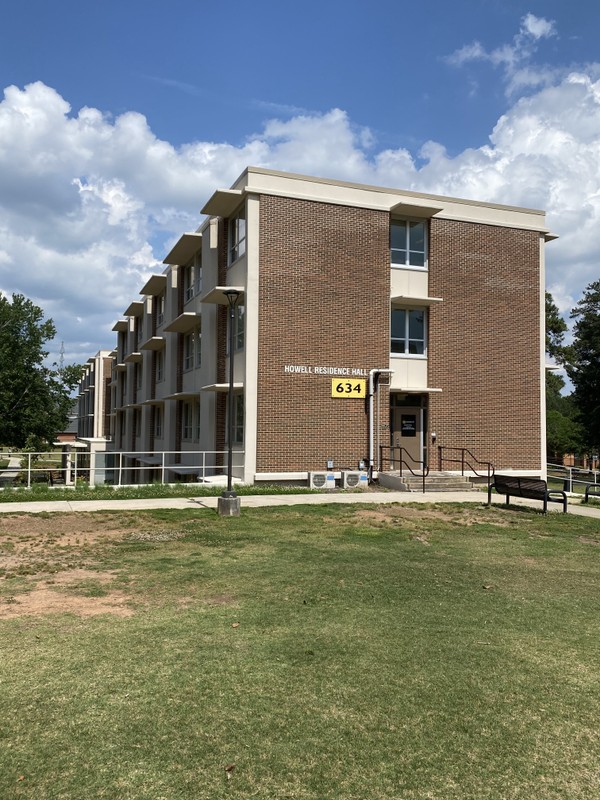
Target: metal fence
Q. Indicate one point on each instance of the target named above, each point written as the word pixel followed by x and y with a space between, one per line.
pixel 573 479
pixel 120 468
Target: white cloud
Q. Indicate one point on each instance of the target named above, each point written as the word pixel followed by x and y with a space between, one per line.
pixel 514 57
pixel 89 205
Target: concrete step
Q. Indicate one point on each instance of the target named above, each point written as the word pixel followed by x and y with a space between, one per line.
pixel 434 482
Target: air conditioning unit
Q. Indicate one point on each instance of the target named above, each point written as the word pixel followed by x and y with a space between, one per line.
pixel 321 480
pixel 355 480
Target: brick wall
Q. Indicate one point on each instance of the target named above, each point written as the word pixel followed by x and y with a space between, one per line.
pixel 324 301
pixel 484 350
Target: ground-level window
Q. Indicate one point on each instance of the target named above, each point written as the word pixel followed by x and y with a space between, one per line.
pixel 408 329
pixel 408 243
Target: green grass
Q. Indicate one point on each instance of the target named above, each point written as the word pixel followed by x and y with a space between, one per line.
pixel 42 492
pixel 318 652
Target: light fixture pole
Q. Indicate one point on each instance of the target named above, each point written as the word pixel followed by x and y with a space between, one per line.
pixel 229 502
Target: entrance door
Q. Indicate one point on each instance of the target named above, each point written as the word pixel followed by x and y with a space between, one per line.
pixel 407 432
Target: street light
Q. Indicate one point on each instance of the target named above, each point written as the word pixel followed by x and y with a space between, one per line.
pixel 229 502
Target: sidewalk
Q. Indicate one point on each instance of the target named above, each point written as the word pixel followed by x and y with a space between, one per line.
pixel 260 501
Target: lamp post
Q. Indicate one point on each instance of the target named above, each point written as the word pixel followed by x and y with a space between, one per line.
pixel 229 502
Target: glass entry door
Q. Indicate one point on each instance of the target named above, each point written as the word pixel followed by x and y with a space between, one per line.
pixel 407 423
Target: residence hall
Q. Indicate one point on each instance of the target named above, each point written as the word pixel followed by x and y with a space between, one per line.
pixel 366 317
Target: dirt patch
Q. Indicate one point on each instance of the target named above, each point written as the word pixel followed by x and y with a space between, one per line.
pixel 65 593
pixel 587 540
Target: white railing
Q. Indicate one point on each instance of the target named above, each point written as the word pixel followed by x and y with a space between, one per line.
pixel 118 468
pixel 572 476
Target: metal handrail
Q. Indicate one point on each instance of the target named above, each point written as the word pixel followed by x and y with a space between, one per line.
pixel 464 461
pixel 392 459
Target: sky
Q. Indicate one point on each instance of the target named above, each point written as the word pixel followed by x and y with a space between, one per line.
pixel 119 119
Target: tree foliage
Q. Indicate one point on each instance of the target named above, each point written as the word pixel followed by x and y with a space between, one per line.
pixel 584 366
pixel 563 430
pixel 34 399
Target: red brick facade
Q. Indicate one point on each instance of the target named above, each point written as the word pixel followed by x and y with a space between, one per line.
pixel 484 341
pixel 324 292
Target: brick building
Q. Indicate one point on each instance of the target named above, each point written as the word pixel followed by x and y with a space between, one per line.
pixel 366 317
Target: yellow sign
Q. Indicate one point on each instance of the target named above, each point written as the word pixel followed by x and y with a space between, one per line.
pixel 348 388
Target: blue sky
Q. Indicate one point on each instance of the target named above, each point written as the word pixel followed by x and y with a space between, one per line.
pixel 119 119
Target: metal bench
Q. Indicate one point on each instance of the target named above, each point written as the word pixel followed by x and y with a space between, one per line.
pixel 591 490
pixel 530 488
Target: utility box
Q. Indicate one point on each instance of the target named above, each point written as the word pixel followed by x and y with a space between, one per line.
pixel 321 480
pixel 355 480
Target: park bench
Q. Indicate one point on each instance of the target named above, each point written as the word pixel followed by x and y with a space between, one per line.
pixel 55 476
pixel 530 488
pixel 591 490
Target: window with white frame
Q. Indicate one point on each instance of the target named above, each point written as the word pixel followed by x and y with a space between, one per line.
pixel 238 419
pixel 160 309
pixel 408 332
pixel 408 243
pixel 160 365
pixel 188 350
pixel 237 236
pixel 187 280
pixel 187 421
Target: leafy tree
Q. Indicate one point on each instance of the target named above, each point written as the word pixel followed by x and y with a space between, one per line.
pixel 34 399
pixel 563 431
pixel 584 366
pixel 556 328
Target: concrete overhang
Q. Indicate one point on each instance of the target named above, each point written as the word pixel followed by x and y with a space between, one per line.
pixel 218 296
pixel 223 203
pixel 133 358
pixel 153 343
pixel 134 309
pixel 404 209
pixel 187 246
pixel 121 326
pixel 183 323
pixel 154 285
pixel 221 387
pixel 406 300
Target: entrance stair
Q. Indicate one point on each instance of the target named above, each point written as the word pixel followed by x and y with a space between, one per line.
pixel 434 482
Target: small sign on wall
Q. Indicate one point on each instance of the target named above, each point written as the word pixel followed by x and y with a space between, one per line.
pixel 408 425
pixel 348 388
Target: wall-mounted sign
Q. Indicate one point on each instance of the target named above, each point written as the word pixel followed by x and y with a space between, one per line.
pixel 352 388
pixel 408 424
pixel 311 369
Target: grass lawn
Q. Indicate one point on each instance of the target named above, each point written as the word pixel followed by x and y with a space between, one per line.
pixel 381 652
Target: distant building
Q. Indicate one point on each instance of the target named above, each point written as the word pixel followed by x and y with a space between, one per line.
pixel 435 303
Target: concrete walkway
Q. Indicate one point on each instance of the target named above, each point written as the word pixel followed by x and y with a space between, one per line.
pixel 259 501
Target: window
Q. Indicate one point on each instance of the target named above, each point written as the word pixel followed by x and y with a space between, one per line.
pixel 408 243
pixel 198 350
pixel 408 332
pixel 239 328
pixel 160 365
pixel 188 351
pixel 160 310
pixel 237 236
pixel 158 422
pixel 187 421
pixel 188 283
pixel 238 419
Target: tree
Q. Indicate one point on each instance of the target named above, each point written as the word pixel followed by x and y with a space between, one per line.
pixel 34 399
pixel 563 431
pixel 556 328
pixel 584 366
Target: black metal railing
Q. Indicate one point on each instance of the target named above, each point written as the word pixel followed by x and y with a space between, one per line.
pixel 398 458
pixel 466 459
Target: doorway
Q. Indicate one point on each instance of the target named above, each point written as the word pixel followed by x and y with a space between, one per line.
pixel 408 426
